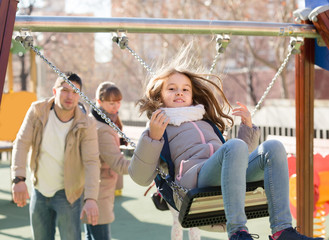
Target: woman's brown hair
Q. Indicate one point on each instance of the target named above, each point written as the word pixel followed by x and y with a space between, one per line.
pixel 108 91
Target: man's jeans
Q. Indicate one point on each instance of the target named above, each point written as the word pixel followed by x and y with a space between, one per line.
pixel 231 166
pixel 98 232
pixel 47 212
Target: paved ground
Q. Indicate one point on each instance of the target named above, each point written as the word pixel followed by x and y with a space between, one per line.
pixel 136 216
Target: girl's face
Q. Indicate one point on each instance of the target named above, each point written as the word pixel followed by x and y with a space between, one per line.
pixel 177 91
pixel 112 107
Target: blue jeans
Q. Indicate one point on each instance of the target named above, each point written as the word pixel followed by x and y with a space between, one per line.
pixel 232 166
pixel 46 212
pixel 98 232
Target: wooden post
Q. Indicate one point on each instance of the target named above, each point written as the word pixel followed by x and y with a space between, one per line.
pixel 320 18
pixel 7 20
pixel 10 73
pixel 33 71
pixel 304 136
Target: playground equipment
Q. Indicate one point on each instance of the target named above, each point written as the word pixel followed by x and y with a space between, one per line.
pixel 304 68
pixel 204 206
pixel 321 191
pixel 12 111
pixel 200 206
pixel 15 104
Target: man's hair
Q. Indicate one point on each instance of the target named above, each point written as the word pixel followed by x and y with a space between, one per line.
pixel 73 77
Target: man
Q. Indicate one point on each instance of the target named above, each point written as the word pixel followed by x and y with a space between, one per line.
pixel 64 163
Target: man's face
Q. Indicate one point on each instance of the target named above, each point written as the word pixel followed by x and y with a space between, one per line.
pixel 65 97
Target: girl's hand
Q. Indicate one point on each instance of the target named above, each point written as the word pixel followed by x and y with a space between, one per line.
pixel 158 123
pixel 244 113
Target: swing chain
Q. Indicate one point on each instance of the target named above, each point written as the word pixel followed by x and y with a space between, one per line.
pixel 214 62
pixel 121 41
pixel 27 43
pixel 294 48
pixel 174 186
pixel 295 44
pixel 221 43
pixel 123 44
pixel 25 38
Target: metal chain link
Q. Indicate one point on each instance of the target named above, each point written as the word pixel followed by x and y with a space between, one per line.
pixel 174 186
pixel 214 62
pixel 123 44
pixel 139 59
pixel 293 49
pixel 29 44
pixel 222 42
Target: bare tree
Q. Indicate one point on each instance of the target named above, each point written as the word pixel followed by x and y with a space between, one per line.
pixel 252 53
pixel 279 11
pixel 241 65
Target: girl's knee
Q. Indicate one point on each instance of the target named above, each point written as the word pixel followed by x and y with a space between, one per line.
pixel 275 151
pixel 274 146
pixel 236 144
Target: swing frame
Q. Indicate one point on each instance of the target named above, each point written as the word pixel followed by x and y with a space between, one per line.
pixel 304 91
pixel 202 206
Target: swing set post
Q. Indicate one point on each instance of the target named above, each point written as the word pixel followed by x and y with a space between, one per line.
pixel 304 76
pixel 7 20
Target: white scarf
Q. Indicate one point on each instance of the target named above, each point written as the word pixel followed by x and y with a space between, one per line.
pixel 184 114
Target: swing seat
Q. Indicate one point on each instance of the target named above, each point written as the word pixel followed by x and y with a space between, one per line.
pixel 204 206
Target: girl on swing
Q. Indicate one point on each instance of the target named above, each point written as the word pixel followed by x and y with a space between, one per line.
pixel 178 99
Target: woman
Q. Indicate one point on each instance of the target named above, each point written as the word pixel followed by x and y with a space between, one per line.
pixel 113 162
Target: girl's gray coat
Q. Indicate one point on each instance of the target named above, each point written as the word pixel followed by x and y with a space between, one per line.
pixel 191 144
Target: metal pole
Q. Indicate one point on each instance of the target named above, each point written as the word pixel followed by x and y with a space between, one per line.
pixel 164 26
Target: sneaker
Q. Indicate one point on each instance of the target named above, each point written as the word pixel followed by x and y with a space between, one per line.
pixel 243 235
pixel 292 234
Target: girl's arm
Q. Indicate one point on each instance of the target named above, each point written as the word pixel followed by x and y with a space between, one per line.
pixel 244 113
pixel 146 158
pixel 248 132
pixel 158 123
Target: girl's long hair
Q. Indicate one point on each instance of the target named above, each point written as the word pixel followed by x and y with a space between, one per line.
pixel 207 92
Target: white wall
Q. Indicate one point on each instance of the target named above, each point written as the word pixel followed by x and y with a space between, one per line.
pixel 98 8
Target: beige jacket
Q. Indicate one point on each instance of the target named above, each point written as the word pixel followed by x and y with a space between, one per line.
pixel 81 167
pixel 113 163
